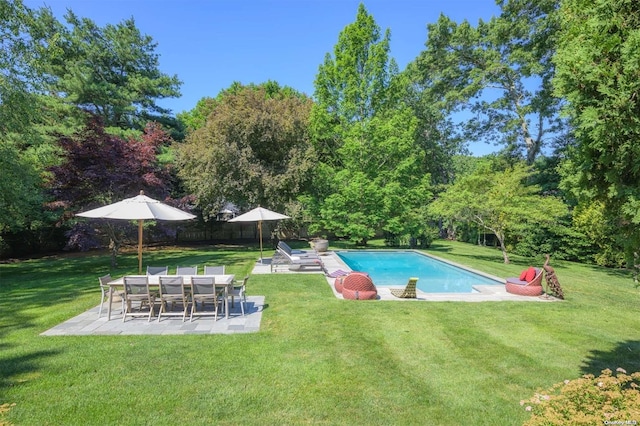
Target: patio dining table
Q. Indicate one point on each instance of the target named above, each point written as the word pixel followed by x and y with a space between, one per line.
pixel 225 281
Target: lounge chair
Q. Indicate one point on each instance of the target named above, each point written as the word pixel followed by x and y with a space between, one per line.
pixel 523 287
pixel 409 292
pixel 300 253
pixel 294 263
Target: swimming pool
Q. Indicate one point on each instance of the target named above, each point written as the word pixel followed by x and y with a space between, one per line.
pixel 394 268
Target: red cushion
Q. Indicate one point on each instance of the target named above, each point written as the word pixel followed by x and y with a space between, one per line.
pixel 522 275
pixel 531 274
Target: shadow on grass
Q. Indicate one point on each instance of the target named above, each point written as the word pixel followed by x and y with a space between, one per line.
pixel 57 280
pixel 16 370
pixel 439 248
pixel 625 355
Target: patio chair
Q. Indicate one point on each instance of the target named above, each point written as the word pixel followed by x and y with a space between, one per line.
pixel 409 292
pixel 297 262
pixel 525 285
pixel 203 290
pixel 172 292
pixel 214 270
pixel 292 252
pixel 238 291
pixel 136 289
pixel 187 270
pixel 104 289
pixel 157 270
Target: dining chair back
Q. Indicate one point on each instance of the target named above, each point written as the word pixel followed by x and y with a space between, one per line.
pixel 187 270
pixel 203 290
pixel 136 290
pixel 157 270
pixel 172 292
pixel 214 270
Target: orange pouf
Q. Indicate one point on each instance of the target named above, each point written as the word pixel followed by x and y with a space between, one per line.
pixel 358 286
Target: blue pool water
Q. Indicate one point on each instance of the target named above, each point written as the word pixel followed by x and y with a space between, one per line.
pixel 394 268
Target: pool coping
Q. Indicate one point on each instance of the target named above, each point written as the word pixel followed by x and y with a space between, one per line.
pixel 483 293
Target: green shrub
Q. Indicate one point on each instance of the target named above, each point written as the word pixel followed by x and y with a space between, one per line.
pixel 421 241
pixel 590 400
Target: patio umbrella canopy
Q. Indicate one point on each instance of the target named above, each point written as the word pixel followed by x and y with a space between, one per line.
pixel 259 215
pixel 138 208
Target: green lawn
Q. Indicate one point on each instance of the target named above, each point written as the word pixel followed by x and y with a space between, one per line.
pixel 317 359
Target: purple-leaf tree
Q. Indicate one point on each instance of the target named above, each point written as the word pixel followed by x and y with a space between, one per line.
pixel 98 169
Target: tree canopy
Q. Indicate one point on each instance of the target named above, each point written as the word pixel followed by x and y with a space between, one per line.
pixel 499 202
pixel 253 149
pixel 499 71
pixel 111 71
pixel 598 70
pixel 50 75
pixel 370 169
pixel 98 169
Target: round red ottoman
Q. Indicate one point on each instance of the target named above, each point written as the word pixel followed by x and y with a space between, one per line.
pixel 358 286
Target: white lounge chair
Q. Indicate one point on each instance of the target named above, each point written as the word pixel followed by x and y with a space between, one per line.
pixel 295 263
pixel 292 252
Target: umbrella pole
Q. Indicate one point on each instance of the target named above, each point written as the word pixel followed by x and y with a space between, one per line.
pixel 260 230
pixel 140 246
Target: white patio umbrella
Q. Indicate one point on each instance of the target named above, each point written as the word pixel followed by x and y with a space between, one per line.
pixel 138 208
pixel 259 215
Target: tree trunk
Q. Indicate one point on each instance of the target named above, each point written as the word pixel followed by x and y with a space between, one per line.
pixel 115 247
pixel 503 248
pixel 500 239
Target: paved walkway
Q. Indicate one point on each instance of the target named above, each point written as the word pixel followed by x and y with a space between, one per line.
pixel 88 322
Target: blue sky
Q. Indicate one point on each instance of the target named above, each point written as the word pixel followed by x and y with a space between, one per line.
pixel 209 44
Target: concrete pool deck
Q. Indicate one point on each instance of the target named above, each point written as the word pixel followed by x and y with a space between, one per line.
pixel 484 293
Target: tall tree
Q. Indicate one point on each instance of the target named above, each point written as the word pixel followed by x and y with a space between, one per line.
pixel 111 71
pixel 253 149
pixel 497 201
pixel 598 70
pixel 23 150
pixel 370 174
pixel 499 72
